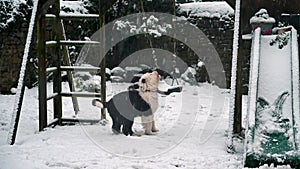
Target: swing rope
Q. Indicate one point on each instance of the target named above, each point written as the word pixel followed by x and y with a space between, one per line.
pixel 153 51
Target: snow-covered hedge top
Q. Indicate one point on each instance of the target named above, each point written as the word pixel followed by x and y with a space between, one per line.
pixel 12 11
pixel 207 9
pixel 262 16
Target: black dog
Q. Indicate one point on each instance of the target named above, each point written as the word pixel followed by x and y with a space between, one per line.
pixel 123 108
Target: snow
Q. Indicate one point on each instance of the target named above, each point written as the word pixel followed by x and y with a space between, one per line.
pixel 274 69
pixel 186 143
pixel 74 7
pixel 200 64
pixel 262 16
pixel 295 75
pixel 11 14
pixel 149 25
pixel 118 71
pixel 270 66
pixel 207 9
pixel 189 74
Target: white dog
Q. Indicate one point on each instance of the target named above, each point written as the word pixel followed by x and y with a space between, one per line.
pixel 125 106
pixel 148 86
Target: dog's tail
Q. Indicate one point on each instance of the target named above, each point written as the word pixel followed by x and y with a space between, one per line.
pixel 99 103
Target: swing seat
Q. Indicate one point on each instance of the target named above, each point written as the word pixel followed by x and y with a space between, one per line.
pixel 163 88
pixel 166 89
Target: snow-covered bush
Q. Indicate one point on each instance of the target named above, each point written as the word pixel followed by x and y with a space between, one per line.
pixel 150 25
pixel 91 84
pixel 14 11
pixel 189 75
pixel 118 71
pixel 87 81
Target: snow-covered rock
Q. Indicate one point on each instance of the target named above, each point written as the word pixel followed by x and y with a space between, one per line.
pixel 118 71
pixel 189 75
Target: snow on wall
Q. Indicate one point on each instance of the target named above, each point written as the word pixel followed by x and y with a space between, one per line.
pixel 207 9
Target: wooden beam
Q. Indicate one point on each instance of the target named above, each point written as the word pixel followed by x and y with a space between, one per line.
pixel 80 94
pixel 41 52
pixel 57 79
pixel 103 65
pixel 237 123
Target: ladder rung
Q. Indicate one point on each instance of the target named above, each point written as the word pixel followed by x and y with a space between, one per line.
pixel 52 96
pixel 51 69
pixel 73 16
pixel 72 42
pixel 73 120
pixel 50 16
pixel 80 94
pixel 79 16
pixel 80 68
pixel 51 43
pixel 64 119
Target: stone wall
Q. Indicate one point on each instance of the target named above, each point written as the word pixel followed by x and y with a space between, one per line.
pixel 219 32
pixel 12 43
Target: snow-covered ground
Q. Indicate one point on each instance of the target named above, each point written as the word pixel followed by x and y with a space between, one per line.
pixel 188 143
pixel 192 126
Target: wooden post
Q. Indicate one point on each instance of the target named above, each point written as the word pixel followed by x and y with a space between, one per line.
pixel 237 123
pixel 12 134
pixel 57 101
pixel 41 52
pixel 102 65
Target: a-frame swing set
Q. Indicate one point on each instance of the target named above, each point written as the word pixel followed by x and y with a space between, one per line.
pixel 39 17
pixel 59 45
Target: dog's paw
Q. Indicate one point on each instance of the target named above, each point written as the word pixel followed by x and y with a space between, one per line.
pixel 149 133
pixel 155 130
pixel 136 134
pixel 116 131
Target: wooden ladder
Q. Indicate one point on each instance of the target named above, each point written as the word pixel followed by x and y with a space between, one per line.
pixel 60 45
